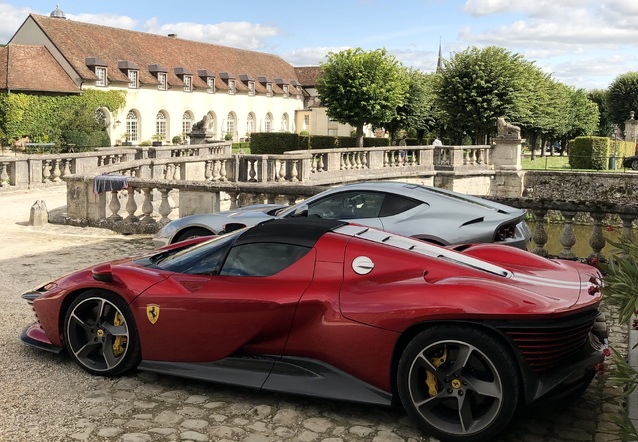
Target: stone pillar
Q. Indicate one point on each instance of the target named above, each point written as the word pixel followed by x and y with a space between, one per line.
pixel 506 153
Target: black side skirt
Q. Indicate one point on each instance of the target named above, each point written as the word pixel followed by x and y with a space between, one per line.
pixel 295 375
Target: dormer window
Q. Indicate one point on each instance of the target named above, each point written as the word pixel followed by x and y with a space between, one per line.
pixel 132 71
pixel 210 85
pixel 251 88
pixel 188 83
pixel 100 72
pixel 269 89
pixel 133 79
pixel 99 68
pixel 231 87
pixel 209 78
pixel 299 93
pixel 286 91
pixel 161 78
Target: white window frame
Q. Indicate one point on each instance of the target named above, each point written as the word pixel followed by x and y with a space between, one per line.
pixel 251 88
pixel 187 123
pixel 268 123
pixel 161 126
pixel 286 91
pixel 100 71
pixel 188 83
pixel 133 79
pixel 162 78
pixel 132 126
pixel 231 87
pixel 250 124
pixel 269 90
pixel 230 125
pixel 210 84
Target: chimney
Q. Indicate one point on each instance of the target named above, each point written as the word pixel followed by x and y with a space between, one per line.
pixel 172 35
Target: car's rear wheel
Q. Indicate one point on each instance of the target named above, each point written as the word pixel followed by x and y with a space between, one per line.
pixel 192 233
pixel 100 333
pixel 634 164
pixel 458 383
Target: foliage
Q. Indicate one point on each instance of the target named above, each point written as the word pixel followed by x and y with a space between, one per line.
pixel 176 139
pixel 273 142
pixel 145 143
pixel 584 115
pixel 45 117
pixel 589 153
pixel 359 87
pixel 417 110
pixel 622 97
pixel 605 125
pixel 477 86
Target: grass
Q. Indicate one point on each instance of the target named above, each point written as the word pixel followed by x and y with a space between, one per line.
pixel 557 162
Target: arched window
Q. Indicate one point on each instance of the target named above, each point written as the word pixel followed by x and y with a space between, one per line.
pixel 187 122
pixel 268 123
pixel 250 124
pixel 160 126
pixel 284 123
pixel 132 127
pixel 230 125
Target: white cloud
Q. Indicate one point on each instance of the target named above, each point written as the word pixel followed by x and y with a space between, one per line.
pixel 115 21
pixel 309 56
pixel 242 35
pixel 11 18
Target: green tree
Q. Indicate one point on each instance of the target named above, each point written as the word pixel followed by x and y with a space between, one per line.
pixel 359 87
pixel 477 86
pixel 605 125
pixel 416 112
pixel 622 97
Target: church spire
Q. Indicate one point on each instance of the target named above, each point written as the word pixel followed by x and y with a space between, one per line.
pixel 439 62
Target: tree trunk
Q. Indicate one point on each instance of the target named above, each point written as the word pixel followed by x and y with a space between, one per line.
pixel 360 135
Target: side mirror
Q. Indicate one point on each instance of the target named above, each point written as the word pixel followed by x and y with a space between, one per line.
pixel 301 211
pixel 231 227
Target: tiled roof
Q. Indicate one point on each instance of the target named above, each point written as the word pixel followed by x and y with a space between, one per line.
pixel 308 75
pixel 78 41
pixel 33 68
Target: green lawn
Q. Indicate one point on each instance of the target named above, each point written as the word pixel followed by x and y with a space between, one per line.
pixel 555 162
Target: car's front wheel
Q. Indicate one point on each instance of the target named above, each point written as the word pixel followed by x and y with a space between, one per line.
pixel 192 233
pixel 100 333
pixel 634 164
pixel 459 383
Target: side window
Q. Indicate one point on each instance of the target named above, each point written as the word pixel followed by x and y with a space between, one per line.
pixel 261 259
pixel 348 205
pixel 394 204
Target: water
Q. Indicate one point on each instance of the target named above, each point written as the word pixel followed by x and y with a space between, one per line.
pixel 582 249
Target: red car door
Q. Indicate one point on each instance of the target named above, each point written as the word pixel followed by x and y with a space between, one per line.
pixel 202 318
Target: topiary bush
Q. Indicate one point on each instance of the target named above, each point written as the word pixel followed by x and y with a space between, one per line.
pixel 589 153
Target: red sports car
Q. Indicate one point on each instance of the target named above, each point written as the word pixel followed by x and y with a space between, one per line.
pixel 459 336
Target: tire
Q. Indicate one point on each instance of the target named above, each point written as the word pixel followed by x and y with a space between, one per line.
pixel 192 233
pixel 634 165
pixel 100 334
pixel 472 389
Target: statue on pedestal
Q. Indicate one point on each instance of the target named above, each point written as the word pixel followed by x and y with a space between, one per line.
pixel 507 130
pixel 199 133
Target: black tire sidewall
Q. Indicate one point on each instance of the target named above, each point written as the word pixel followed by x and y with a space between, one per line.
pixel 193 232
pixel 492 348
pixel 132 357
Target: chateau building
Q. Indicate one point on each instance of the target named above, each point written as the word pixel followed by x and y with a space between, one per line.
pixel 170 83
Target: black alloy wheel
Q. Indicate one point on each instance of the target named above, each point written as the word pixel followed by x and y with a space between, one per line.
pixel 459 383
pixel 100 334
pixel 192 233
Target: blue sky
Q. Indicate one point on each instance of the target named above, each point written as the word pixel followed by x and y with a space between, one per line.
pixel 584 43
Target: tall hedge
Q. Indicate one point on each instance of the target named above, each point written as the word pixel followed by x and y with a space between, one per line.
pixel 278 143
pixel 275 143
pixel 589 153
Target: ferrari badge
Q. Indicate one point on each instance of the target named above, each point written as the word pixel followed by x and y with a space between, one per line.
pixel 152 312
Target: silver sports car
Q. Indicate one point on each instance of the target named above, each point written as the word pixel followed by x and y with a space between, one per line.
pixel 428 213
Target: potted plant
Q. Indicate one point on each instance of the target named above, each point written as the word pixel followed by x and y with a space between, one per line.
pixel 127 138
pixel 157 139
pixel 176 140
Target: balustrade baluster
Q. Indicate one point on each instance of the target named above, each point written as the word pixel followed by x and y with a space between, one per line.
pixel 46 171
pixel 357 162
pixel 342 163
pixel 252 170
pixel 539 236
pixel 320 165
pixel 222 171
pixel 147 206
pixel 114 207
pixel 294 172
pixel 386 159
pixel 282 171
pixel 216 170
pixel 168 172
pixel 178 172
pixel 208 170
pixel 479 156
pixel 597 240
pixel 364 160
pixel 233 200
pixel 4 176
pixel 131 206
pixel 66 169
pixel 164 207
pixel 567 236
pixel 627 225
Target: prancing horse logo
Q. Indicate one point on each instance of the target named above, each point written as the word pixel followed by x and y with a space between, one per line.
pixel 152 312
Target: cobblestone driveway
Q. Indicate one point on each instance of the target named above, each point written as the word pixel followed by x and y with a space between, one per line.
pixel 45 397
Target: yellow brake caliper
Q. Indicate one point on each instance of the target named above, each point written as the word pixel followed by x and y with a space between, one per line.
pixel 120 341
pixel 431 379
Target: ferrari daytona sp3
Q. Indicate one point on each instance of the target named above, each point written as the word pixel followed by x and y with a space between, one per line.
pixel 459 336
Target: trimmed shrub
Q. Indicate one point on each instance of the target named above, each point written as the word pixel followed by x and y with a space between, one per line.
pixel 262 143
pixel 589 153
